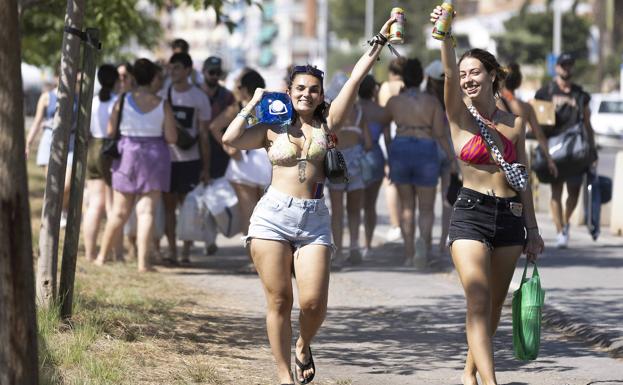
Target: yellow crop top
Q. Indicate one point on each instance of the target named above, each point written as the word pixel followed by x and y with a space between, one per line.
pixel 283 152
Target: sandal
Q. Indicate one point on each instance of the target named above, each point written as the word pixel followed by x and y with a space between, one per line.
pixel 303 367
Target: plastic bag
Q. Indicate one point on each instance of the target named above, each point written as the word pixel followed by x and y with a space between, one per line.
pixel 194 222
pixel 527 304
pixel 222 203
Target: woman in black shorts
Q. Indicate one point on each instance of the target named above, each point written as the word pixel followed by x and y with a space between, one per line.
pixel 492 224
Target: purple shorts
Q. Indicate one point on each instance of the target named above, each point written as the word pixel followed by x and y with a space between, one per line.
pixel 144 166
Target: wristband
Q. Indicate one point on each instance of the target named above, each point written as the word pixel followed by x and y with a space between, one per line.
pixel 243 114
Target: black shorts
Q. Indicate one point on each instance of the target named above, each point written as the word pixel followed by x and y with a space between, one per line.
pixel 185 176
pixel 95 162
pixel 494 221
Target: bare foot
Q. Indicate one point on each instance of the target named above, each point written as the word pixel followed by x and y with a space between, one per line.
pixel 469 379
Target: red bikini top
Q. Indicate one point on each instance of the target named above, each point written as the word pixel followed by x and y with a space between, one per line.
pixel 475 150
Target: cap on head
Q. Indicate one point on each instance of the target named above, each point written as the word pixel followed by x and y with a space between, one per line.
pixel 565 59
pixel 434 70
pixel 212 63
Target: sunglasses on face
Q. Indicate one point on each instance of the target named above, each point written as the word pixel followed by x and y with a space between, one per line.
pixel 214 72
pixel 308 69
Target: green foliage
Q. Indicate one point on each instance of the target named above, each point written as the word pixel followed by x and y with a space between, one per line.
pixel 529 37
pixel 347 19
pixel 120 22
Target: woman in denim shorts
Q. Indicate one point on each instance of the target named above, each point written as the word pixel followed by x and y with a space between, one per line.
pixel 290 229
pixel 414 160
pixel 491 223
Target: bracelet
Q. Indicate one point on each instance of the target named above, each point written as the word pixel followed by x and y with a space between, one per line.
pixel 377 39
pixel 243 114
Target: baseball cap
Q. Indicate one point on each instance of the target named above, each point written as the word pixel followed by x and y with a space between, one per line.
pixel 212 63
pixel 434 70
pixel 565 58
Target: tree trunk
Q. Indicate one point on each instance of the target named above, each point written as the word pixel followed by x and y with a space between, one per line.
pixel 50 217
pixel 18 329
pixel 72 232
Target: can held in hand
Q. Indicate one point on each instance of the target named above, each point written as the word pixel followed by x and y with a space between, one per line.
pixel 397 29
pixel 441 30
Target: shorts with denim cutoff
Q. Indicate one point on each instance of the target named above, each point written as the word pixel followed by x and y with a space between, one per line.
pixel 300 222
pixel 487 219
pixel 414 161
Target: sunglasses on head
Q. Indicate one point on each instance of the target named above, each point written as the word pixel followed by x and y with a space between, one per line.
pixel 307 69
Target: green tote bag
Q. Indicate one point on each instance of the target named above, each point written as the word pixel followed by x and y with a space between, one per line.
pixel 527 304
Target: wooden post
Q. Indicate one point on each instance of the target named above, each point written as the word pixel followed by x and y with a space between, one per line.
pixel 18 327
pixel 53 197
pixel 72 232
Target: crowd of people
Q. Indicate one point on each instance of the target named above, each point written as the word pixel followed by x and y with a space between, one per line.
pixel 420 129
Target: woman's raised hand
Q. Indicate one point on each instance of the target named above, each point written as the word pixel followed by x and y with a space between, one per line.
pixel 385 28
pixel 436 14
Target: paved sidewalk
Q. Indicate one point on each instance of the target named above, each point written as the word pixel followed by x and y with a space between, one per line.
pixel 393 325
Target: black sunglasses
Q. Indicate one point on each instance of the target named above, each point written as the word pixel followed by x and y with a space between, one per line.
pixel 308 69
pixel 214 72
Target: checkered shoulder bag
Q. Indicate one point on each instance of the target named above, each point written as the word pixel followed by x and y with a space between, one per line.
pixel 516 173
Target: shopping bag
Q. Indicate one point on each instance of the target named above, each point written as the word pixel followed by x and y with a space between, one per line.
pixel 193 220
pixel 527 304
pixel 222 204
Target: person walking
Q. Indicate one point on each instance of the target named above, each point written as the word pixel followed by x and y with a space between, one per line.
pixel 190 160
pixel 492 223
pixel 572 105
pixel 144 169
pixel 220 99
pixel 414 160
pixel 392 87
pixel 290 229
pixel 97 191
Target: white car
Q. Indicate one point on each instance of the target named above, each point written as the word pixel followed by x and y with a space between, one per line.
pixel 607 115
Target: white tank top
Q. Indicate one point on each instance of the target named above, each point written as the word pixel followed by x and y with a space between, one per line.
pixel 136 123
pixel 100 113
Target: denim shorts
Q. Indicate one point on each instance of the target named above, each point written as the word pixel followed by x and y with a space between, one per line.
pixel 373 165
pixel 414 161
pixel 300 222
pixel 494 221
pixel 352 157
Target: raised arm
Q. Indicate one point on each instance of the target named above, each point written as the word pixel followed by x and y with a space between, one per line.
pixel 237 135
pixel 453 97
pixel 346 97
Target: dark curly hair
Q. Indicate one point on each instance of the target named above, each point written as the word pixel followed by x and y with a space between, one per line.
pixel 491 64
pixel 412 73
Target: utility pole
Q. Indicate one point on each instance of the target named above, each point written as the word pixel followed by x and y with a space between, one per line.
pixel 557 28
pixel 369 19
pixel 18 324
pixel 55 181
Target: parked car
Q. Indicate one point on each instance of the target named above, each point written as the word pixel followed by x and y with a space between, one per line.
pixel 607 115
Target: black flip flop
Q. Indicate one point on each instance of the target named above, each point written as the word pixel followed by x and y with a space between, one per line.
pixel 303 367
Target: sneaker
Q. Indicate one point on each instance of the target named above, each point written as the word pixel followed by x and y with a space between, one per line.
pixel 562 239
pixel 366 254
pixel 393 235
pixel 337 262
